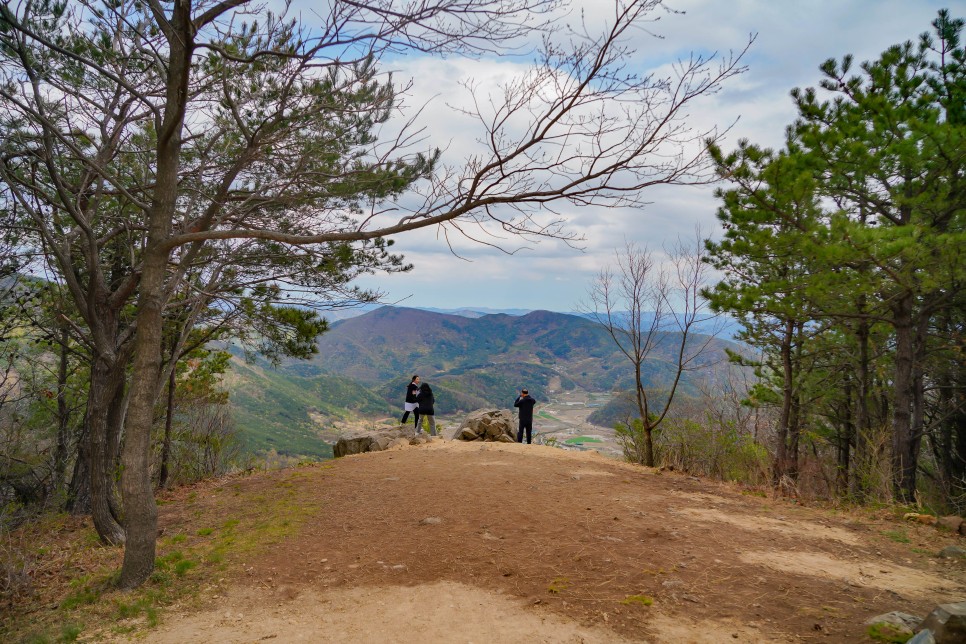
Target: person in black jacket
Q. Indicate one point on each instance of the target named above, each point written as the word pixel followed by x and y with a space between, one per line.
pixel 525 403
pixel 425 401
pixel 412 389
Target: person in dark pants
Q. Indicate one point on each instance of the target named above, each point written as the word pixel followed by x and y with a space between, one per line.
pixel 425 401
pixel 412 390
pixel 525 403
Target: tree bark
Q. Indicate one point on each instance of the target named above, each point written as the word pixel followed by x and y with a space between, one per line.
pixel 106 378
pixel 844 443
pixel 79 490
pixel 904 452
pixel 645 421
pixel 63 418
pixel 169 412
pixel 141 512
pixel 780 469
pixel 863 459
pixel 115 432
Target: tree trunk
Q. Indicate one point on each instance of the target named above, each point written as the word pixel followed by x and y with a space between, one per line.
pixel 106 378
pixel 780 469
pixel 63 419
pixel 918 426
pixel 115 430
pixel 795 412
pixel 645 421
pixel 794 437
pixel 141 512
pixel 844 443
pixel 169 412
pixel 904 450
pixel 79 490
pixel 863 460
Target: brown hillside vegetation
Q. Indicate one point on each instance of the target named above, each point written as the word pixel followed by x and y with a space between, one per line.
pixel 471 542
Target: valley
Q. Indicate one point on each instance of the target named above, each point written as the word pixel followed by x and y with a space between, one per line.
pixel 559 422
pixel 299 408
pixel 562 422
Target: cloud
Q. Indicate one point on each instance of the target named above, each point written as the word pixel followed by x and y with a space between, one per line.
pixel 793 39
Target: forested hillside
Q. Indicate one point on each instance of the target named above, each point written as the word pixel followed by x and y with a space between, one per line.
pixel 364 363
pixel 394 342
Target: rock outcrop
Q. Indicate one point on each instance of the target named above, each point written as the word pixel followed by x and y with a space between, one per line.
pixel 947 623
pixel 378 441
pixel 494 425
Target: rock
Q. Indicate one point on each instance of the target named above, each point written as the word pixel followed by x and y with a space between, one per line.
pixel 372 441
pixel 923 637
pixel 494 430
pixel 893 625
pixel 355 445
pixel 398 442
pixel 503 438
pixel 926 519
pixel 487 425
pixel 379 443
pixel 947 623
pixel 953 552
pixel 951 523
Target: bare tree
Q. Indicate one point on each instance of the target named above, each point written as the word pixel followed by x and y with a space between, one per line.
pixel 650 309
pixel 154 132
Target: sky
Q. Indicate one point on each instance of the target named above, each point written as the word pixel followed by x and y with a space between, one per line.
pixel 793 37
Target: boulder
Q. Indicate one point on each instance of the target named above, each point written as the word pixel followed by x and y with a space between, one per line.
pixel 947 622
pixel 486 425
pixel 953 552
pixel 951 523
pixel 373 441
pixel 893 625
pixel 925 519
pixel 379 443
pixel 353 445
pixel 923 637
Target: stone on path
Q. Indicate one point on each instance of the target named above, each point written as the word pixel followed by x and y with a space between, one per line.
pixel 947 622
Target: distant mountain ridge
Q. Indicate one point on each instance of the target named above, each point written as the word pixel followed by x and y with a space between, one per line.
pixel 365 362
pixel 727 328
pixel 384 347
pixel 465 311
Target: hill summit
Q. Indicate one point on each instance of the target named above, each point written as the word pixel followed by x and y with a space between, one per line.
pixel 455 541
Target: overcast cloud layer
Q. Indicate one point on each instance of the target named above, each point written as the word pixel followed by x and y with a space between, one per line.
pixel 793 39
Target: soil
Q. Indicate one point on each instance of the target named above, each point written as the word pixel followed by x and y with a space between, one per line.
pixel 473 542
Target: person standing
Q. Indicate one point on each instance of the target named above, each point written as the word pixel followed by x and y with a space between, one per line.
pixel 425 401
pixel 412 390
pixel 525 403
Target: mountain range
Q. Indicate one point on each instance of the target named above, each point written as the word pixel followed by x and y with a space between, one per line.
pixel 365 362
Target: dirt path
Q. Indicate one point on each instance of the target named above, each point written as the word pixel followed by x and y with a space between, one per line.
pixel 470 542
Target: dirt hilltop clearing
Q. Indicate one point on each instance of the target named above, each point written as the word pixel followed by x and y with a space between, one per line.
pixel 471 542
